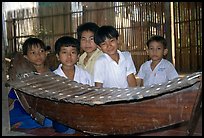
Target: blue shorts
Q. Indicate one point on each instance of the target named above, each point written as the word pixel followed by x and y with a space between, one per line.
pixel 62 128
pixel 19 118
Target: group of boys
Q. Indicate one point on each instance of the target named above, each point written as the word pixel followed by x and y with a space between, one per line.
pixel 102 64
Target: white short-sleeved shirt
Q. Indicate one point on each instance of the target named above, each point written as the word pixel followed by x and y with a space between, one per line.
pixel 162 73
pixel 111 74
pixel 80 75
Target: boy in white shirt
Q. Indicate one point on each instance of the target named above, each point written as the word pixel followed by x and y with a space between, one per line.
pixel 157 70
pixel 113 68
pixel 67 51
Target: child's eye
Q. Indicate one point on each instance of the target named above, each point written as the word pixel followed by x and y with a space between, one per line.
pixel 74 52
pixel 63 52
pixel 42 50
pixel 112 40
pixel 92 38
pixel 102 44
pixel 83 39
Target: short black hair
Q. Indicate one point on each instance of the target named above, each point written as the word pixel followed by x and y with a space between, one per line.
pixel 157 38
pixel 66 41
pixel 48 48
pixel 104 32
pixel 88 26
pixel 30 42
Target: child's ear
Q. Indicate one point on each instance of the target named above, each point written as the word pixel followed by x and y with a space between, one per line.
pixel 57 57
pixel 99 47
pixel 165 51
pixel 147 50
pixel 25 56
pixel 46 53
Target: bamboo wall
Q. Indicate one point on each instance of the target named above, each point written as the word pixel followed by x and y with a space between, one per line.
pixel 135 21
pixel 188 35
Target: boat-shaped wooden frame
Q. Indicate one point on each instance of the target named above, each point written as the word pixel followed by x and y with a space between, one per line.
pixel 138 113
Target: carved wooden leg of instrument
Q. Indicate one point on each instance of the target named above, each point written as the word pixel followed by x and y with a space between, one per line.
pixel 37 116
pixel 195 114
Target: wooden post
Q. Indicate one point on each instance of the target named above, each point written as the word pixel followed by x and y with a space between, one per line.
pixel 6 129
pixel 5 109
pixel 168 30
pixel 14 35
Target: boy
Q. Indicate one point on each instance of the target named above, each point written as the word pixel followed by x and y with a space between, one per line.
pixel 34 50
pixel 67 51
pixel 113 68
pixel 157 70
pixel 85 33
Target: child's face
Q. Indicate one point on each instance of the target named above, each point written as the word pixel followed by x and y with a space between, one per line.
pixel 68 56
pixel 87 41
pixel 109 46
pixel 36 55
pixel 156 51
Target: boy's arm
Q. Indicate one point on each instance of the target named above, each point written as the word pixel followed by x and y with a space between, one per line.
pixel 98 84
pixel 99 69
pixel 140 76
pixel 139 82
pixel 131 80
pixel 171 72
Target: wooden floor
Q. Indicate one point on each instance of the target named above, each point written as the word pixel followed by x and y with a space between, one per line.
pixel 179 130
